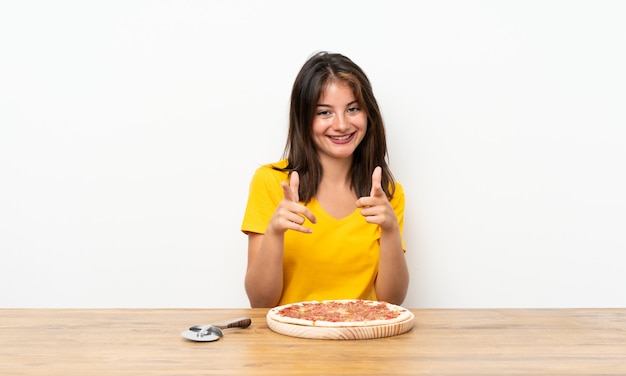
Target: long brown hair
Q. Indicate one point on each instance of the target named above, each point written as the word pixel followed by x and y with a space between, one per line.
pixel 300 151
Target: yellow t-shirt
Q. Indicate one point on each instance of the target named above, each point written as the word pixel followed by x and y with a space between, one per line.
pixel 339 260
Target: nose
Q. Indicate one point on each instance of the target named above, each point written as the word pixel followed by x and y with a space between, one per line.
pixel 341 123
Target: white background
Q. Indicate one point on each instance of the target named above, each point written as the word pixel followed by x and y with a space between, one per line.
pixel 129 131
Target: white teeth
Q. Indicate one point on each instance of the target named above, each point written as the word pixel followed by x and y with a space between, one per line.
pixel 341 138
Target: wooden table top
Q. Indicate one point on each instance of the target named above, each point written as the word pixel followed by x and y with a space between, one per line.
pixel 443 341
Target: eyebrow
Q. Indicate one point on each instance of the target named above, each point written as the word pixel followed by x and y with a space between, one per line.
pixel 327 105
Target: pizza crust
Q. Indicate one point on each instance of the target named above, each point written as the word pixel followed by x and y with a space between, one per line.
pixel 403 314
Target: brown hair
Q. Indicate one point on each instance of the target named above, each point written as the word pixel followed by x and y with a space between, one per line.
pixel 308 87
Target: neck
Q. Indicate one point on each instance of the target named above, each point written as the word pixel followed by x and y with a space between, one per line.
pixel 336 171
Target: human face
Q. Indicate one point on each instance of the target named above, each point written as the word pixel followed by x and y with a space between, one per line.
pixel 339 124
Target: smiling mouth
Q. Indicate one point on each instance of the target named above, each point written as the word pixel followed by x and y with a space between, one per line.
pixel 341 138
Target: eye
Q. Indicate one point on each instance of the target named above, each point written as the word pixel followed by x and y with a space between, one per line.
pixel 323 113
pixel 354 109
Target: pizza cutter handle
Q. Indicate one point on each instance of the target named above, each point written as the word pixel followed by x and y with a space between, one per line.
pixel 240 322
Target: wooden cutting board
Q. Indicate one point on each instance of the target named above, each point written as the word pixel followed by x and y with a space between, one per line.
pixel 351 332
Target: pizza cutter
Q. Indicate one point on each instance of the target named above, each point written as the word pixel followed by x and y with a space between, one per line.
pixel 213 332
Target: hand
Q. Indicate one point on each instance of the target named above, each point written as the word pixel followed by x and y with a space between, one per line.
pixel 290 214
pixel 376 208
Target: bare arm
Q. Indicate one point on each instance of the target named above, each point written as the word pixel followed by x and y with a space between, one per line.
pixel 264 274
pixel 392 281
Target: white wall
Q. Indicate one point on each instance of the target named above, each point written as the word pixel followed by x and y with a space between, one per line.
pixel 129 131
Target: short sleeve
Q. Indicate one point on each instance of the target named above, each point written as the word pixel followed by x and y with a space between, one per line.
pixel 397 203
pixel 264 195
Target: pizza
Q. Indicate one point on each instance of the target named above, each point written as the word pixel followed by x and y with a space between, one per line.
pixel 340 313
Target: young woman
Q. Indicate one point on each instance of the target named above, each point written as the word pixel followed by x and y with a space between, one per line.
pixel 326 222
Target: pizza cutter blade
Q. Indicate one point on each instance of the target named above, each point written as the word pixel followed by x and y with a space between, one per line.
pixel 198 336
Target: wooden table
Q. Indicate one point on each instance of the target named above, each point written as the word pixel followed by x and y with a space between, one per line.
pixel 442 342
